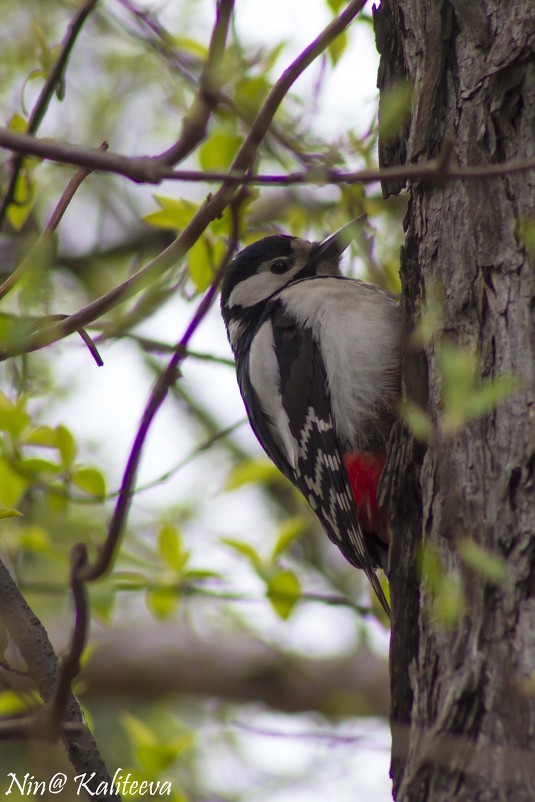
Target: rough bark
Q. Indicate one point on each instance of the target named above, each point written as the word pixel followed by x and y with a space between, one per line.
pixel 463 706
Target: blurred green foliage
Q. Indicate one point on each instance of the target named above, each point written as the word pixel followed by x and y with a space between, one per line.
pixel 132 80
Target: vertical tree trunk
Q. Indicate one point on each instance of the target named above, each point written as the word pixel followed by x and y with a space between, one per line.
pixel 463 710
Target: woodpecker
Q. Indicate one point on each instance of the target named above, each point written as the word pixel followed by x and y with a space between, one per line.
pixel 318 365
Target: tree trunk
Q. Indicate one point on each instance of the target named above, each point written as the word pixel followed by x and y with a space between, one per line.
pixel 463 709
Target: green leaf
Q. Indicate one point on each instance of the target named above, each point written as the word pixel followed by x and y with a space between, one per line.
pixel 156 759
pixel 9 512
pixel 246 550
pixel 464 395
pixel 200 264
pixel 171 549
pixel 13 418
pixel 337 48
pixel 35 465
pixel 191 45
pixel 66 445
pixel 162 602
pixel 18 123
pixel 152 752
pixel 34 538
pixel 218 152
pixel 130 580
pixel 526 232
pixel 291 530
pixel 103 597
pixel 449 603
pixel 417 420
pixel 175 213
pixel 336 5
pixel 253 471
pixel 251 92
pixel 24 198
pixel 487 397
pixel 283 591
pixel 482 561
pixel 44 436
pixel 12 485
pixel 140 734
pixel 91 481
pixel 13 703
pixel 394 109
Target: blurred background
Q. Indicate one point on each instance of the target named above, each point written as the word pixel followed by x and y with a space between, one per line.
pixel 233 651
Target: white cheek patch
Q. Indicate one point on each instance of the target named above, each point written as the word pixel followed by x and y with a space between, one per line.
pixel 260 286
pixel 265 379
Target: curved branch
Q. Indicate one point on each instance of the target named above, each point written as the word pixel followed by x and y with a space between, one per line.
pixel 31 639
pixel 52 84
pixel 211 210
pixel 206 101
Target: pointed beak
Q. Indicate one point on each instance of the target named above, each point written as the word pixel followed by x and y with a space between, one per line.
pixel 336 243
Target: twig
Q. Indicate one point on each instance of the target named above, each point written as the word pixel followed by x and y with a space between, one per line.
pixel 70 665
pixel 211 210
pixel 55 218
pixel 31 639
pixel 159 347
pixel 190 590
pixel 156 399
pixel 53 81
pixel 149 170
pixel 205 103
pixel 30 727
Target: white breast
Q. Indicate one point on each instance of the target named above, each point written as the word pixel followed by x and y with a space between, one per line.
pixel 358 329
pixel 265 379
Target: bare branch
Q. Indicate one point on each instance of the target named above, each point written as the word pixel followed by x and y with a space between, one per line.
pixel 150 170
pixel 159 392
pixel 196 121
pixel 52 84
pixel 32 641
pixel 70 665
pixel 50 227
pixel 211 210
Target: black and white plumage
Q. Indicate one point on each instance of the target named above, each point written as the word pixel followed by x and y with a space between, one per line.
pixel 318 363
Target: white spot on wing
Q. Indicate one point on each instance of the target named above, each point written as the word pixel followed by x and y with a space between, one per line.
pixel 235 330
pixel 265 379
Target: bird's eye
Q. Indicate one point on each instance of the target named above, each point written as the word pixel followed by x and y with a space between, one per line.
pixel 280 266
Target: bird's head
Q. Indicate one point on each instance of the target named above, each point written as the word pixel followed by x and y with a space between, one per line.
pixel 267 266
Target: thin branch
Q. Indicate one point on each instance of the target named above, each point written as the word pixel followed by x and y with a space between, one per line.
pixel 200 449
pixel 149 170
pixel 29 727
pixel 70 665
pixel 52 84
pixel 156 399
pixel 31 639
pixel 205 103
pixel 152 346
pixel 54 221
pixel 211 210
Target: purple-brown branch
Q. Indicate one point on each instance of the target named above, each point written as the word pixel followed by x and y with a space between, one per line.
pixel 70 665
pixel 33 643
pixel 211 210
pixel 206 101
pixel 52 84
pixel 54 221
pixel 151 170
pixel 158 394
